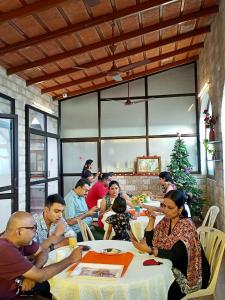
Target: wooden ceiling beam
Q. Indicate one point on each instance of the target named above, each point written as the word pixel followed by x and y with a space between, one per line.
pixel 91 78
pixel 135 76
pixel 28 10
pixel 83 25
pixel 107 42
pixel 120 55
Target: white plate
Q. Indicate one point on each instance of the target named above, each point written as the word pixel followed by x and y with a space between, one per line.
pixel 111 251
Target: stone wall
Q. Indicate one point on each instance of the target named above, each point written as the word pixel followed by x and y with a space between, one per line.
pixel 211 67
pixel 138 184
pixel 15 87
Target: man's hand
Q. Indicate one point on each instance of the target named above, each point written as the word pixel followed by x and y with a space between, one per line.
pixel 76 255
pixel 91 211
pixel 27 284
pixel 60 228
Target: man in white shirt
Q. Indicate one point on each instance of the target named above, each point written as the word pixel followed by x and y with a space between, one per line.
pixel 52 230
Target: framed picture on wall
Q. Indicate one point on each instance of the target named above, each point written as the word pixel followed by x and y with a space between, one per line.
pixel 149 165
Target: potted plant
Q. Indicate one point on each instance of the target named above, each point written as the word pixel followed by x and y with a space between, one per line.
pixel 209 149
pixel 210 121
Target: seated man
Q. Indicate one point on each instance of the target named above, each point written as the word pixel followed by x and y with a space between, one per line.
pixel 99 189
pixel 17 273
pixel 52 230
pixel 76 207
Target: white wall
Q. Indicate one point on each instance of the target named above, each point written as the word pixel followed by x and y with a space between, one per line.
pixel 15 87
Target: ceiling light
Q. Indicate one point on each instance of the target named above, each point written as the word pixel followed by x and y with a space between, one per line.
pixel 42 107
pixel 203 90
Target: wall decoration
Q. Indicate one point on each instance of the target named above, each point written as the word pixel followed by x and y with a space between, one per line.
pixel 149 165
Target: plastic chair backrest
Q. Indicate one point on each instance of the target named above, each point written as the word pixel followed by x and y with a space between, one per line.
pixel 210 217
pixel 213 243
pixel 85 231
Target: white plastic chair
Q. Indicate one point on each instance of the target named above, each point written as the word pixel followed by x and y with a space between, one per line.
pixel 85 231
pixel 213 243
pixel 210 216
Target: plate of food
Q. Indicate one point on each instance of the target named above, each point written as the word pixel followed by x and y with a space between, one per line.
pixel 111 251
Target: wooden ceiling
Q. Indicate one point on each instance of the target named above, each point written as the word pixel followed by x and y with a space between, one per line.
pixel 64 46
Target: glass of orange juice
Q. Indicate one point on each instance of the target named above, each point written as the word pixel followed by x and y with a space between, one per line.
pixel 72 242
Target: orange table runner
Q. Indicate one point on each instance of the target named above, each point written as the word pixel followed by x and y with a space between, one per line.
pixel 111 259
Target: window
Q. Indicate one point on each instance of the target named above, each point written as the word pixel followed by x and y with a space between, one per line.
pixel 42 144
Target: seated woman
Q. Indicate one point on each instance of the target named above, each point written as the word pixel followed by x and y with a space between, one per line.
pixel 166 182
pixel 176 238
pixel 107 201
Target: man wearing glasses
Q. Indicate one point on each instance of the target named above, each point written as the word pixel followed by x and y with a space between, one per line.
pixel 76 207
pixel 52 230
pixel 16 243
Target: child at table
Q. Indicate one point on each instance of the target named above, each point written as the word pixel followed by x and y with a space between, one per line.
pixel 120 221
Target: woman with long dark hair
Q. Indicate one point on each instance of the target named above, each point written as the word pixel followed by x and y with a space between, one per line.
pixel 175 238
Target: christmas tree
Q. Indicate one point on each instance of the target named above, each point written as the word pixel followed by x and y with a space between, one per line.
pixel 180 169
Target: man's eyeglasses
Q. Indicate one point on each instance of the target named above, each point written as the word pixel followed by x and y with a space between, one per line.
pixel 34 228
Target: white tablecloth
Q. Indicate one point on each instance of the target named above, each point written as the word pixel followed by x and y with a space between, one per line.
pixel 138 283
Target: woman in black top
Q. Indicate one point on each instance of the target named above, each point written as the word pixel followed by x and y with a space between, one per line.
pixel 176 238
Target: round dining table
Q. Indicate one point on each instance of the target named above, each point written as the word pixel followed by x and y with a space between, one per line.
pixel 139 282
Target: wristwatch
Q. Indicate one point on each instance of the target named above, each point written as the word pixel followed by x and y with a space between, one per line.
pixel 51 247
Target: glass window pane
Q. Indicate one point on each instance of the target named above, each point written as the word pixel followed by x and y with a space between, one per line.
pixel 79 117
pixel 52 125
pixel 37 198
pixel 5 209
pixel 172 115
pixel 75 155
pixel 52 158
pixel 164 146
pixel 137 88
pixel 69 183
pixel 120 155
pixel 5 106
pixel 5 152
pixel 36 120
pixel 179 80
pixel 121 120
pixel 37 157
pixel 53 187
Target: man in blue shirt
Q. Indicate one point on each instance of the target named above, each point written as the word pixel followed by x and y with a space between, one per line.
pixel 76 207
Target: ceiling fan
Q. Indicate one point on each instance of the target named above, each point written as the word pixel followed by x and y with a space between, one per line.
pixel 129 101
pixel 114 71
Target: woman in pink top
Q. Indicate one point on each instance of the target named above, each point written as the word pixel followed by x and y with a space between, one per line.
pixel 166 181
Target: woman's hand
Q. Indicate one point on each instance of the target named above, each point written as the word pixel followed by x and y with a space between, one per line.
pixel 151 213
pixel 142 246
